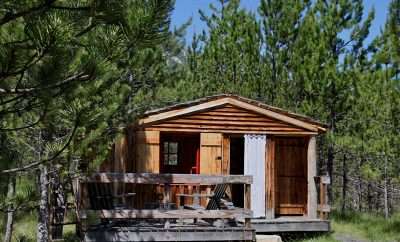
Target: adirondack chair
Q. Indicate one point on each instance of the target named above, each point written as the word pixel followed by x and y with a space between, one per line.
pixel 102 196
pixel 215 199
pixel 215 202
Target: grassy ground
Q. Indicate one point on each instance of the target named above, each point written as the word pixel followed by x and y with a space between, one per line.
pixel 352 227
pixel 361 227
pixel 25 229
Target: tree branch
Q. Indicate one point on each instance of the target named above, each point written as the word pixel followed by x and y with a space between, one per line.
pixel 8 17
pixel 36 163
pixel 13 91
pixel 26 126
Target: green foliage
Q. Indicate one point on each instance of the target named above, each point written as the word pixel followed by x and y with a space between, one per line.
pixel 370 227
pixel 69 74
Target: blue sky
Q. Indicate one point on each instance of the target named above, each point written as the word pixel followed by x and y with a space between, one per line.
pixel 184 9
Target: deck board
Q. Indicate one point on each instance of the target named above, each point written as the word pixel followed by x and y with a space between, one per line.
pixel 125 234
pixel 290 224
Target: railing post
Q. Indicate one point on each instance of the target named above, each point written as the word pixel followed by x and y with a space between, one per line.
pixel 312 194
pixel 324 207
pixel 247 203
pixel 167 194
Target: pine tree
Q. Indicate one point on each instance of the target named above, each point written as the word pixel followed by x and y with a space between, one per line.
pixel 65 73
pixel 226 58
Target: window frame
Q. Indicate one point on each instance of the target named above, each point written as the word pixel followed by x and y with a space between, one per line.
pixel 167 153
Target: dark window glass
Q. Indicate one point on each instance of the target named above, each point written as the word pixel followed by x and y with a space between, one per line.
pixel 170 153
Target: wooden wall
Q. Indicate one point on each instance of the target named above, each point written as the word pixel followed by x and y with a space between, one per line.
pixel 286 153
pixel 225 119
pixel 147 151
pixel 118 158
pixel 270 179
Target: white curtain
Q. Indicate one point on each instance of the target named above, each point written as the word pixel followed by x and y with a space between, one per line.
pixel 254 165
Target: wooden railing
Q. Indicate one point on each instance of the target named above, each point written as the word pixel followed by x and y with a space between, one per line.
pixel 323 204
pixel 165 182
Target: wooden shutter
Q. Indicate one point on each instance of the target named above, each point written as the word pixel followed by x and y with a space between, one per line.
pixel 148 151
pixel 211 153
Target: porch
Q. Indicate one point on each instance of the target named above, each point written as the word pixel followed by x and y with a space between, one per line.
pixel 186 207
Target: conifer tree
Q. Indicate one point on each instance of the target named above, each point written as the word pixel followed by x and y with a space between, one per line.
pixel 65 72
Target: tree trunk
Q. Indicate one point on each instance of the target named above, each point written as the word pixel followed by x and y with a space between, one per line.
pixel 344 183
pixel 58 206
pixel 329 167
pixel 360 185
pixel 369 196
pixel 43 220
pixel 10 208
pixel 385 192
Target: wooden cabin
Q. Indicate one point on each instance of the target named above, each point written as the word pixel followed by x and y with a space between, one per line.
pixel 175 156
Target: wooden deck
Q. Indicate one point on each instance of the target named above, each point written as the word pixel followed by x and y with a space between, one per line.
pixel 290 224
pixel 125 234
pixel 128 223
pixel 180 224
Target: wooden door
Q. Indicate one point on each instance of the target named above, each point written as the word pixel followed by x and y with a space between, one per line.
pixel 291 163
pixel 211 153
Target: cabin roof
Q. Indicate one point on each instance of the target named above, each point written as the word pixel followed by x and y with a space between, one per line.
pixel 232 99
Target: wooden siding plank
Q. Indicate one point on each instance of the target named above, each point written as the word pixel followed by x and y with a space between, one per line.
pixel 192 109
pixel 276 115
pixel 230 123
pixel 216 113
pixel 203 116
pixel 223 118
pixel 230 107
pixel 232 131
pixel 206 126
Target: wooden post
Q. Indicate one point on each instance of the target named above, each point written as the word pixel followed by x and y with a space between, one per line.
pixel 270 179
pixel 81 206
pixel 247 203
pixel 167 194
pixel 324 207
pixel 322 199
pixel 312 201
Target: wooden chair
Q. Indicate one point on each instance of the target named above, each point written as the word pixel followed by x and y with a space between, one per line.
pixel 215 198
pixel 102 196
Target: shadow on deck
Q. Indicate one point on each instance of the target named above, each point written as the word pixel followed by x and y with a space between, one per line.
pixel 290 224
pixel 106 215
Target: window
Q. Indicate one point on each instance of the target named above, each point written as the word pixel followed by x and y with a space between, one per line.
pixel 170 153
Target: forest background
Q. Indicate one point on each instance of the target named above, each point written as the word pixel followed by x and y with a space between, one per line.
pixel 73 74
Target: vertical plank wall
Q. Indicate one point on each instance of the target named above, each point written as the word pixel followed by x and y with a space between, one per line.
pixel 147 161
pixel 270 178
pixel 211 153
pixel 226 150
pixel 148 151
